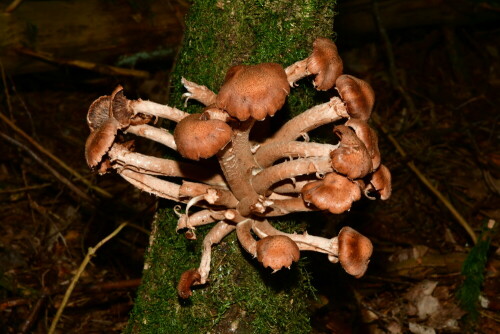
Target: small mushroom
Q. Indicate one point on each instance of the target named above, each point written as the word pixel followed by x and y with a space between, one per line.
pixel 334 193
pixel 277 251
pixel 188 279
pixel 354 251
pixel 98 112
pixel 123 112
pixel 254 91
pixel 380 183
pixel 351 158
pixel 198 138
pixel 325 62
pixel 369 137
pixel 357 94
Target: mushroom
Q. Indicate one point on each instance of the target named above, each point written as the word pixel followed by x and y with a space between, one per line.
pixel 277 251
pixel 380 183
pixel 334 193
pixel 357 94
pixel 369 137
pixel 198 138
pixel 254 91
pixel 325 62
pixel 188 279
pixel 351 158
pixel 354 251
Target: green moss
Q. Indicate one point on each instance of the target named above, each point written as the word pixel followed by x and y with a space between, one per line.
pixel 240 293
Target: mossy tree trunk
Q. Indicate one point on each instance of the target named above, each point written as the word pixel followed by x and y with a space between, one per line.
pixel 241 296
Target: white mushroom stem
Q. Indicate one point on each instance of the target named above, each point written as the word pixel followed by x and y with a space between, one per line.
pixel 152 185
pixel 310 119
pixel 305 241
pixel 202 217
pixel 157 109
pixel 243 231
pixel 266 155
pixel 282 207
pixel 296 71
pixel 158 135
pixel 216 234
pixel 158 166
pixel 212 194
pixel 198 92
pixel 289 169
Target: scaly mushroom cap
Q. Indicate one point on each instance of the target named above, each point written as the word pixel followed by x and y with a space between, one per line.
pixel 358 96
pixel 198 138
pixel 354 251
pixel 351 158
pixel 380 182
pixel 277 251
pixel 369 137
pixel 334 193
pixel 99 142
pixel 99 112
pixel 253 91
pixel 325 62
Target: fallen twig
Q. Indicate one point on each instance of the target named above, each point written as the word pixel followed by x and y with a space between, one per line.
pixel 61 163
pixel 83 265
pixel 54 172
pixel 13 5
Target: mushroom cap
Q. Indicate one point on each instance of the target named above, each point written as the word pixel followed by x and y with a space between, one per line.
pixel 186 281
pixel 277 251
pixel 123 112
pixel 368 136
pixel 253 91
pixel 99 112
pixel 351 158
pixel 325 62
pixel 354 251
pixel 380 182
pixel 334 193
pixel 198 138
pixel 100 141
pixel 358 96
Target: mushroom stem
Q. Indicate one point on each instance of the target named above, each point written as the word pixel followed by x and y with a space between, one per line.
pixel 158 166
pixel 304 241
pixel 266 155
pixel 296 71
pixel 237 163
pixel 212 194
pixel 158 135
pixel 310 119
pixel 157 109
pixel 282 207
pixel 216 234
pixel 247 241
pixel 198 92
pixel 152 185
pixel 289 169
pixel 200 218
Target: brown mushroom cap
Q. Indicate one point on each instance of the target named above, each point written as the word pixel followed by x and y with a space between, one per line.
pixel 197 138
pixel 277 251
pixel 354 251
pixel 325 62
pixel 334 193
pixel 357 94
pixel 187 280
pixel 369 137
pixel 351 158
pixel 99 142
pixel 380 182
pixel 99 112
pixel 253 91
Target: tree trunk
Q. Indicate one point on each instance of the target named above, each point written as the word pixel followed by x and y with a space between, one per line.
pixel 241 296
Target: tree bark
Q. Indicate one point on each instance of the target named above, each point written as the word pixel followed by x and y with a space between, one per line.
pixel 241 296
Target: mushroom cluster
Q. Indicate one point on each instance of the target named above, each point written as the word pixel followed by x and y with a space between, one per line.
pixel 258 178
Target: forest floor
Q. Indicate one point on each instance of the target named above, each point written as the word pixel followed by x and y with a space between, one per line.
pixel 438 100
